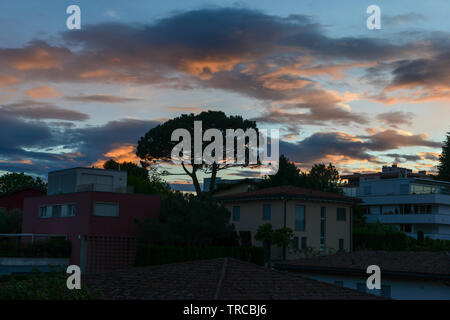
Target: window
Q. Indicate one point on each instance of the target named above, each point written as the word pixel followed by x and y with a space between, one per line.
pixel 322 228
pixel 42 212
pixel 404 189
pixel 299 218
pixel 386 291
pixel 304 243
pixel 236 213
pixel 341 214
pixel 361 287
pixel 341 244
pixel 339 283
pixel 267 212
pixel 104 209
pixel 295 242
pixel 367 190
pixel 56 210
pixel 70 210
pixel 406 227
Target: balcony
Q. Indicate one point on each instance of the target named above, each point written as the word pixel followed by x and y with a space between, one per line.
pixel 410 218
pixel 407 199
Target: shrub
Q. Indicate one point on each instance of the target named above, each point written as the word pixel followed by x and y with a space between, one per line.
pixel 186 220
pixel 41 286
pixel 377 236
pixel 147 254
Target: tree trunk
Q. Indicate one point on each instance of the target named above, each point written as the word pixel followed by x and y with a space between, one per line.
pixel 198 190
pixel 212 184
pixel 194 178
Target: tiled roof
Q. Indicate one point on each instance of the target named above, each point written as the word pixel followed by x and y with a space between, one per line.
pixel 222 278
pixel 426 264
pixel 288 191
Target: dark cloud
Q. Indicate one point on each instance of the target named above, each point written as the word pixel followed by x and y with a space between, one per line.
pixel 404 157
pixel 423 72
pixel 395 118
pixel 39 110
pixel 20 133
pixel 391 139
pixel 101 98
pixel 322 144
pixel 95 141
pixel 35 147
pixel 317 146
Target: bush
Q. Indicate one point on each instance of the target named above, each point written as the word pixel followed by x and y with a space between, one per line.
pixel 147 254
pixel 187 220
pixel 377 236
pixel 41 286
pixel 54 248
pixel 428 244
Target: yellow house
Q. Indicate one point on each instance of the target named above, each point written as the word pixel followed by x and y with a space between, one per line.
pixel 321 221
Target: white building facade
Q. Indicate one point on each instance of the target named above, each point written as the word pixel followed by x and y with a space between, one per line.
pixel 412 204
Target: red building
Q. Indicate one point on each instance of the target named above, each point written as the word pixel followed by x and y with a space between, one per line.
pixel 100 224
pixel 15 199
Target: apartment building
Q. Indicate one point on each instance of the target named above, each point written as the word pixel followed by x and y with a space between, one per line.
pixel 413 202
pixel 89 206
pixel 321 221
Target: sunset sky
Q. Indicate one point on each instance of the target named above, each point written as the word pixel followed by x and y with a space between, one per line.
pixel 338 92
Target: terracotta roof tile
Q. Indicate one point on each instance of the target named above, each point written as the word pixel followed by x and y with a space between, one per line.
pixel 289 191
pixel 222 278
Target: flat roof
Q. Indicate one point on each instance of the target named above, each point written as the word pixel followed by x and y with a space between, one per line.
pixel 84 168
pixel 433 265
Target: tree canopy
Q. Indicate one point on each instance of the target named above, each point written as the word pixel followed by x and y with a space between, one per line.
pixel 156 144
pixel 143 180
pixel 321 177
pixel 14 181
pixel 444 160
pixel 189 220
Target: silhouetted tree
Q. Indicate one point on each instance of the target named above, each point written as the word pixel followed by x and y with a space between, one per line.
pixel 444 160
pixel 156 144
pixel 324 178
pixel 190 221
pixel 13 181
pixel 143 180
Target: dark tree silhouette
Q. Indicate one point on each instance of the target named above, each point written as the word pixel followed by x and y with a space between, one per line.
pixel 444 160
pixel 156 144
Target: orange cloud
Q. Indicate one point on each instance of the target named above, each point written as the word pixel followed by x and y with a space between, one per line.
pixel 284 84
pixel 305 68
pixel 38 59
pixel 24 161
pixel 119 154
pixel 205 68
pixel 185 109
pixel 95 73
pixel 43 92
pixel 7 80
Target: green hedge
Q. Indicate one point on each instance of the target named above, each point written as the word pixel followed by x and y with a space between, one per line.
pixel 380 241
pixel 42 286
pixel 54 248
pixel 147 254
